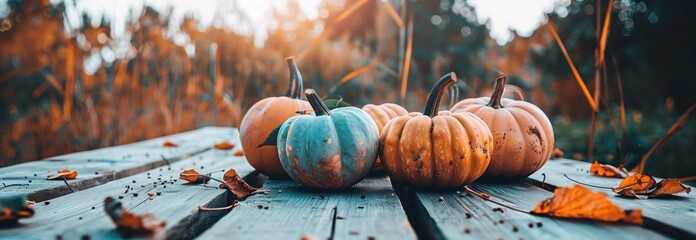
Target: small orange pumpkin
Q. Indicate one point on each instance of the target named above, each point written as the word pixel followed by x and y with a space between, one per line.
pixel 442 150
pixel 264 116
pixel 523 133
pixel 381 114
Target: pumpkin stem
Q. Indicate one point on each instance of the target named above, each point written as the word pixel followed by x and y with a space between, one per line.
pixel 317 104
pixel 454 95
pixel 295 81
pixel 441 85
pixel 498 91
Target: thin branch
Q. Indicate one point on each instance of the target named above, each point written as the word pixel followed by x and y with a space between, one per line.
pixel 407 59
pixel 13 185
pixel 233 205
pixel 581 82
pixel 66 184
pixel 672 130
pixel 487 197
pixel 392 13
pixel 585 184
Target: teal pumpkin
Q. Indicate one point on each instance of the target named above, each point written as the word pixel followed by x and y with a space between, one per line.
pixel 332 149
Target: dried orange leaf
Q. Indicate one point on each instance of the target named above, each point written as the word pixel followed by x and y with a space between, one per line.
pixel 605 170
pixel 668 187
pixel 635 184
pixel 224 146
pixel 169 144
pixel 239 153
pixel 582 203
pixel 238 186
pixel 13 208
pixel 192 176
pixel 129 223
pixel 556 154
pixel 63 174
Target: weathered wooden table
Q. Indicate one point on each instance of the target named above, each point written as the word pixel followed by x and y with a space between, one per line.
pixel 373 209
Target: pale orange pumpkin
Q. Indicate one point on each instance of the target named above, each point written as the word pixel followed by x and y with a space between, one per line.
pixel 264 116
pixel 381 114
pixel 431 149
pixel 523 133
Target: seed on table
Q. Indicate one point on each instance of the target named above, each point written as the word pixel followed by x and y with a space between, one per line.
pixel 47 202
pixel 514 228
pixel 362 196
pixel 501 221
pixel 469 215
pixel 135 195
pixel 260 206
pixel 531 225
pixel 440 199
pixel 467 230
pixel 539 224
pixel 120 197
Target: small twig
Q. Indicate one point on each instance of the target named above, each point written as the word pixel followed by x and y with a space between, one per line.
pixel 234 204
pixel 14 185
pixel 66 184
pixel 166 161
pixel 487 197
pixel 585 184
pixel 543 182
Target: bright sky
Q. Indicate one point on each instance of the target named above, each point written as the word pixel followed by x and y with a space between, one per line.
pixel 502 15
pixel 521 16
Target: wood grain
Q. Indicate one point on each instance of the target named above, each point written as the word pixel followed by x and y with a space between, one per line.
pixel 447 215
pixel 673 215
pixel 103 165
pixel 291 211
pixel 74 216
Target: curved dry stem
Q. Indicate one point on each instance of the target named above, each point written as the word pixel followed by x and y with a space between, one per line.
pixel 586 184
pixel 231 206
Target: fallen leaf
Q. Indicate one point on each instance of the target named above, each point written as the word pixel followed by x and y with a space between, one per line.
pixel 224 146
pixel 582 203
pixel 169 144
pixel 239 153
pixel 238 186
pixel 13 208
pixel 635 185
pixel 669 187
pixel 556 154
pixel 605 170
pixel 129 223
pixel 63 174
pixel 192 176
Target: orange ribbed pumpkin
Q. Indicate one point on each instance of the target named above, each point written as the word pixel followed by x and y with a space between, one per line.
pixel 381 114
pixel 441 150
pixel 264 116
pixel 523 133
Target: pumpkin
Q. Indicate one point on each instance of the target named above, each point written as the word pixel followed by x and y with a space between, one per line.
pixel 523 133
pixel 381 114
pixel 264 116
pixel 332 149
pixel 431 149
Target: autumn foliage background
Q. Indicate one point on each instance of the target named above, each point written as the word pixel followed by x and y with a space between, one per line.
pixel 72 86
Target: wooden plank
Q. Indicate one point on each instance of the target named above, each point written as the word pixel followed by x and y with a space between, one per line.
pixel 291 211
pixel 102 165
pixel 80 214
pixel 449 215
pixel 674 215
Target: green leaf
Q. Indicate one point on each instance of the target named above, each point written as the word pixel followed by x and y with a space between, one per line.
pixel 336 103
pixel 272 139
